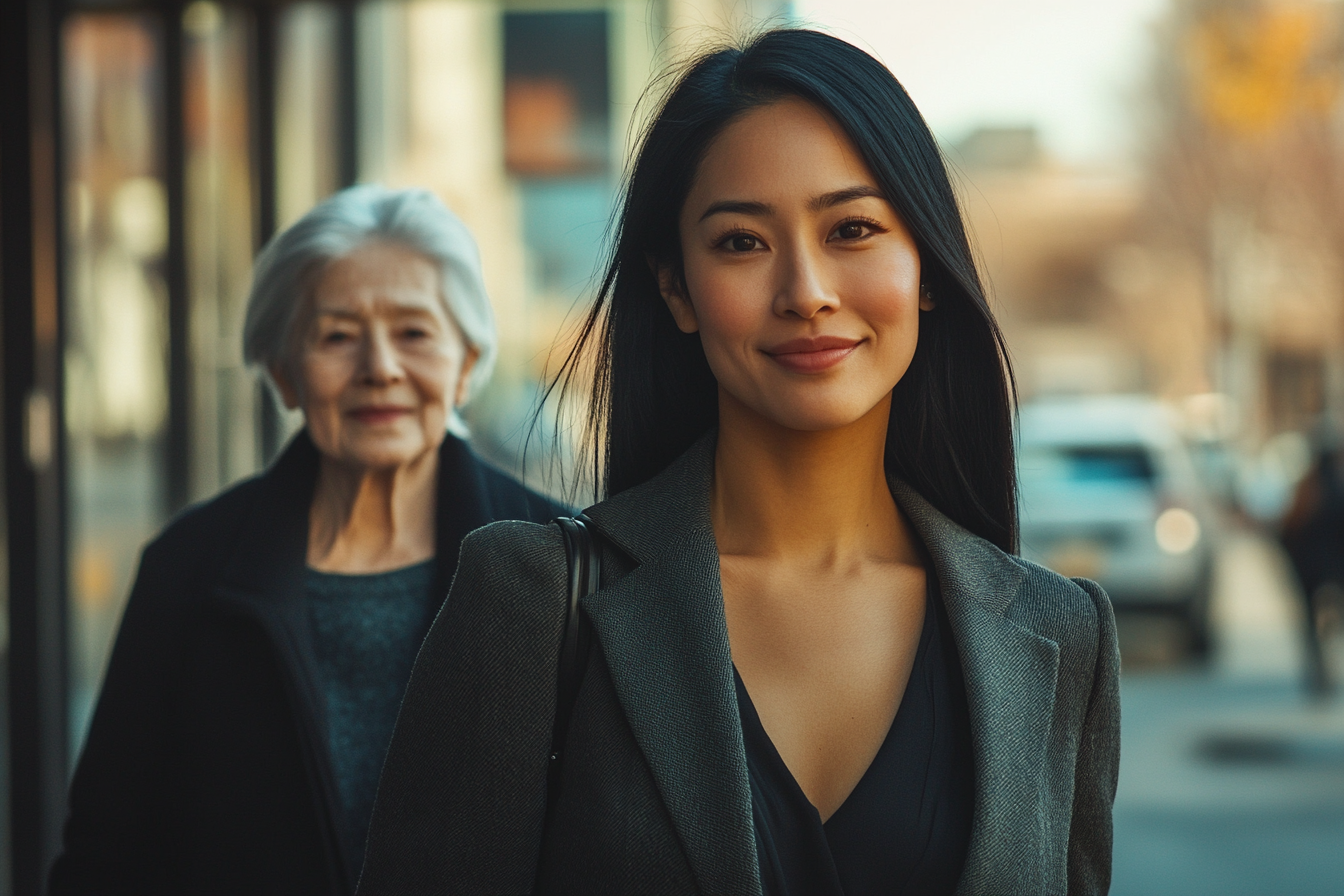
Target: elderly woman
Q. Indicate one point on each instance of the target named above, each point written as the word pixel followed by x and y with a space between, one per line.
pixel 271 631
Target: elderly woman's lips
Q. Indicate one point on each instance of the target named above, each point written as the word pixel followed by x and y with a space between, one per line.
pixel 812 355
pixel 384 414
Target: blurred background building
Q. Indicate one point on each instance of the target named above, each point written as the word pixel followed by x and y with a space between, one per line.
pixel 150 148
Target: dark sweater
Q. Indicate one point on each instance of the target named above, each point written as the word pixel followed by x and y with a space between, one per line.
pixel 366 629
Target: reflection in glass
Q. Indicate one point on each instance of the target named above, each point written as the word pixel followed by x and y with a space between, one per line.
pixel 557 142
pixel 305 127
pixel 116 325
pixel 556 106
pixel 220 240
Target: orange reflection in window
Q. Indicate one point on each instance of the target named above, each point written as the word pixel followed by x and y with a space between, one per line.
pixel 541 128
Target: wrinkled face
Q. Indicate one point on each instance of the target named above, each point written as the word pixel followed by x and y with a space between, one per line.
pixel 800 278
pixel 380 366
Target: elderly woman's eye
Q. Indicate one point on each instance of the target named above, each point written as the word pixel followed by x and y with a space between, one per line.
pixel 336 337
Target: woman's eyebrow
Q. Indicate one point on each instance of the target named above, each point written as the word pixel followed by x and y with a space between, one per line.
pixel 343 313
pixel 840 197
pixel 394 309
pixel 817 203
pixel 739 207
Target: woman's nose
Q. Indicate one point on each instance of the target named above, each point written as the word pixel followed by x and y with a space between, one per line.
pixel 802 290
pixel 381 361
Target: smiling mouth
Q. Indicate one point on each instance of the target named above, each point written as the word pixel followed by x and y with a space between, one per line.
pixel 379 414
pixel 812 354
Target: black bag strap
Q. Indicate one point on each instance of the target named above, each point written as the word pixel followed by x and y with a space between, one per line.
pixel 585 568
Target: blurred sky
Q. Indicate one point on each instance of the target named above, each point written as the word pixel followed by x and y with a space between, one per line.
pixel 1071 67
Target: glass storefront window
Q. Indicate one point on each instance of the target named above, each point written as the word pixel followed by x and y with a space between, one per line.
pixel 116 304
pixel 306 114
pixel 116 325
pixel 220 230
pixel 557 121
pixel 556 93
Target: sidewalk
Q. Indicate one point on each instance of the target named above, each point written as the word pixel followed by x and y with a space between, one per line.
pixel 1231 780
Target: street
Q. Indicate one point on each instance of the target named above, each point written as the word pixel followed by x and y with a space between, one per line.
pixel 1231 779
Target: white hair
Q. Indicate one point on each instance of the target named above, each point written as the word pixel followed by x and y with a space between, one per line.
pixel 288 267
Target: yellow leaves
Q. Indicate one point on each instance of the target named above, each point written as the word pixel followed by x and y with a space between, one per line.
pixel 1255 69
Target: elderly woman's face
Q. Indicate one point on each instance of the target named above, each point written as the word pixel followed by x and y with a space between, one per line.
pixel 380 366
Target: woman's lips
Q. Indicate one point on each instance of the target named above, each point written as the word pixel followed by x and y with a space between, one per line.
pixel 379 414
pixel 812 354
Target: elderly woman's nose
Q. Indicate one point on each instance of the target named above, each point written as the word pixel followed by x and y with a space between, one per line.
pixel 382 362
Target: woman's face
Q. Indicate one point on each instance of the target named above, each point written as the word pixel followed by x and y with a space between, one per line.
pixel 800 278
pixel 380 366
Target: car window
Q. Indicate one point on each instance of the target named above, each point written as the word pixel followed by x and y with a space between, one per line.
pixel 1117 464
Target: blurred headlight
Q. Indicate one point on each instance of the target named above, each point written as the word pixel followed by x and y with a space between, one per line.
pixel 1177 530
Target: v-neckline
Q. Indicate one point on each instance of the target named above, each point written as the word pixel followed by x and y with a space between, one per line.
pixel 752 719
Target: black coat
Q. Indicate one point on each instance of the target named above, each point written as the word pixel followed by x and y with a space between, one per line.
pixel 206 768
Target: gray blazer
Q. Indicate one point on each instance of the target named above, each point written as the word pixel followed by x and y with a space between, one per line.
pixel 655 797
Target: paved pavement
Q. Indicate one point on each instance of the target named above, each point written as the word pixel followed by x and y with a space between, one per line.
pixel 1231 780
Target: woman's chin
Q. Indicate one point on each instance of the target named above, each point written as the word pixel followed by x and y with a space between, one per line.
pixel 820 421
pixel 810 407
pixel 384 451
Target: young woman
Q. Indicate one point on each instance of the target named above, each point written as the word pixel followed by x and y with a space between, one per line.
pixel 819 667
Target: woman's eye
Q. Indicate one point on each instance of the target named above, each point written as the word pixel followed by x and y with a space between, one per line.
pixel 853 230
pixel 738 243
pixel 336 337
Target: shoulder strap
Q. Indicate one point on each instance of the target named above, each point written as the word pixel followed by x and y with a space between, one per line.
pixel 585 566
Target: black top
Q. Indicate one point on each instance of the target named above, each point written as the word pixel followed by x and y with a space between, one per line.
pixel 905 827
pixel 366 630
pixel 206 768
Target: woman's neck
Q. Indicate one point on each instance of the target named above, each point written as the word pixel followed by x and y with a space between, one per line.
pixel 816 498
pixel 364 520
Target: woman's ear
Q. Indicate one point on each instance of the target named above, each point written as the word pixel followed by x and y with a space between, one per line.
pixel 288 394
pixel 468 364
pixel 669 286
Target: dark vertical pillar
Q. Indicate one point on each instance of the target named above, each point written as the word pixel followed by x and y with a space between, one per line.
pixel 177 441
pixel 262 123
pixel 33 438
pixel 262 108
pixel 347 94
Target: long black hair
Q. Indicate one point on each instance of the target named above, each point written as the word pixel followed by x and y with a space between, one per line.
pixel 652 393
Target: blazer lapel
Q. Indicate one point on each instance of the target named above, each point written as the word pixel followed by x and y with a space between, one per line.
pixel 665 640
pixel 1011 675
pixel 684 713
